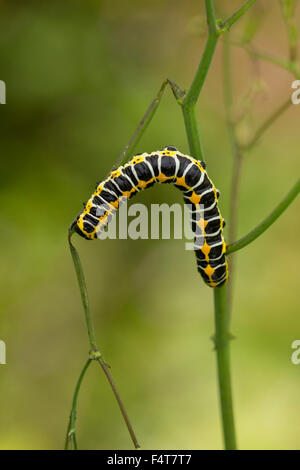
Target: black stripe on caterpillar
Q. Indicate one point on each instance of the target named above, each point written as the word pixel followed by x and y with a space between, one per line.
pixel 188 175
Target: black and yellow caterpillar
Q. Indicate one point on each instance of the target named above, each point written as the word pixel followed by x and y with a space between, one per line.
pixel 187 174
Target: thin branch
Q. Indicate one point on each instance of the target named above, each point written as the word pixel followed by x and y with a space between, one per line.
pixel 84 297
pixel 147 118
pixel 269 121
pixel 120 403
pixel 252 51
pixel 178 93
pixel 226 25
pixel 94 352
pixel 267 222
pixel 145 121
pixel 71 433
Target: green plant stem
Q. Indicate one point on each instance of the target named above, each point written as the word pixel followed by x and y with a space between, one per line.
pixel 143 124
pixel 226 25
pixel 120 403
pixel 267 222
pixel 94 351
pixel 269 121
pixel 222 345
pixel 84 298
pixel 146 120
pixel 189 103
pixel 222 337
pixel 71 433
pixel 289 65
pixel 283 63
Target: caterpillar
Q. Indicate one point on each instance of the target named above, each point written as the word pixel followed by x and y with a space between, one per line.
pixel 187 174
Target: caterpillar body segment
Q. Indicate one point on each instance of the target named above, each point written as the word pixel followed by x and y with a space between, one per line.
pixel 188 175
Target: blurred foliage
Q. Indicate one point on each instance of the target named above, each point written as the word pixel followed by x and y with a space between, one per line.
pixel 79 76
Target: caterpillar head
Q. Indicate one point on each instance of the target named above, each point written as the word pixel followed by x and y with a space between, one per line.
pixel 74 227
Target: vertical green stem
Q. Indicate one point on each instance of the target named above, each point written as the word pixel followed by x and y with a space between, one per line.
pixel 221 312
pixel 71 434
pixel 189 104
pixel 193 132
pixel 222 344
pixel 84 298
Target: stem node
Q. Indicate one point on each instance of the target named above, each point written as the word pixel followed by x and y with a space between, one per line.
pixel 94 355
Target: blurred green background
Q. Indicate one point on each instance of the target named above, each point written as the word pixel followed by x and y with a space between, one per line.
pixel 79 76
